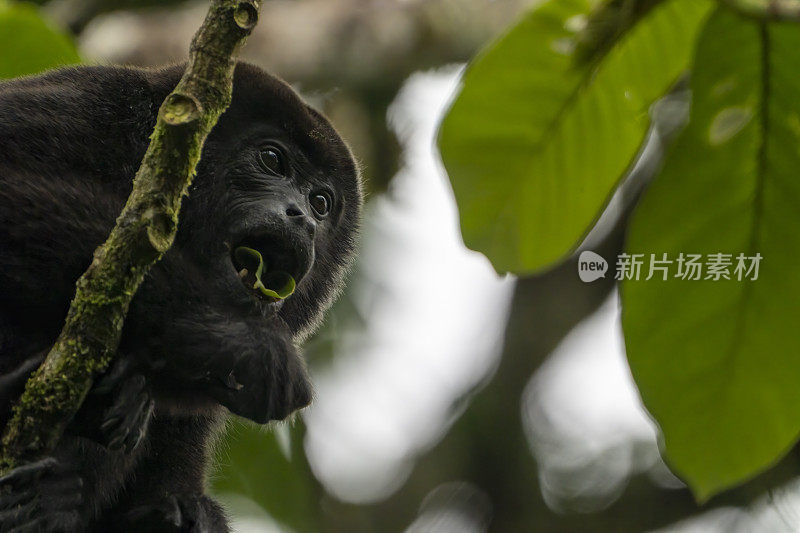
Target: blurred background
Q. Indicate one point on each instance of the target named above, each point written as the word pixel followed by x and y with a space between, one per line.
pixel 448 398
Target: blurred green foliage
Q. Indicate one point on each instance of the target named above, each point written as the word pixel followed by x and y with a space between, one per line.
pixel 268 467
pixel 717 362
pixel 29 44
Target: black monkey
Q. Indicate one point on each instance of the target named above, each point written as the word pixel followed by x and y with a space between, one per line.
pixel 274 177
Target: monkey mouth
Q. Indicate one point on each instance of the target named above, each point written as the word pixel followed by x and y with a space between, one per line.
pixel 268 268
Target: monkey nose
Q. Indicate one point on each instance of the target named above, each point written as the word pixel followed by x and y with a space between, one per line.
pixel 297 216
pixel 293 211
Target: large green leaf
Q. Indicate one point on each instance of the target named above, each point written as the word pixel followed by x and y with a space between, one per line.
pixel 718 362
pixel 536 141
pixel 28 44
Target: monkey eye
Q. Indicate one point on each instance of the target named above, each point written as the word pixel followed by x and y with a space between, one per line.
pixel 320 203
pixel 272 161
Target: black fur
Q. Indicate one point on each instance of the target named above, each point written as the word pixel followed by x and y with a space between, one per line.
pixel 195 340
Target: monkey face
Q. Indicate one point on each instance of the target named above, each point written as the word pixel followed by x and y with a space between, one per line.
pixel 275 177
pixel 283 211
pixel 264 239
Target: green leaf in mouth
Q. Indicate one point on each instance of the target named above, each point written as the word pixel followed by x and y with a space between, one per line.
pixel 278 284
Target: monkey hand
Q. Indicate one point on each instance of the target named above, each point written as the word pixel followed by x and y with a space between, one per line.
pixel 184 513
pixel 41 496
pixel 252 368
pixel 262 380
pixel 125 421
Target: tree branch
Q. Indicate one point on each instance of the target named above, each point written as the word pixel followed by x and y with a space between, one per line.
pixel 767 10
pixel 144 231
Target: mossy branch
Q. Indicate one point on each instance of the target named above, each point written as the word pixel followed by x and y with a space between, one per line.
pixel 144 231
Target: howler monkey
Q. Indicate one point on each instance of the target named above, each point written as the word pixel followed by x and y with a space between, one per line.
pixel 274 178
